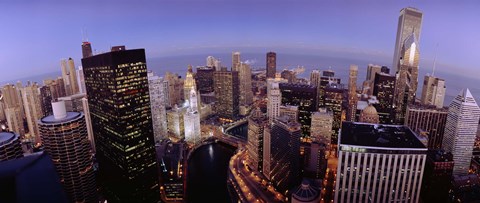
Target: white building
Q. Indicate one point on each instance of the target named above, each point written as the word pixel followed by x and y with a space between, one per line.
pixel 157 106
pixel 460 130
pixel 192 120
pixel 379 163
pixel 274 97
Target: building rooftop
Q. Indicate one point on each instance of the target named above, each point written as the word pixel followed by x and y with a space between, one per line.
pixel 306 192
pixel 378 135
pixel 6 137
pixel 30 179
pixel 52 119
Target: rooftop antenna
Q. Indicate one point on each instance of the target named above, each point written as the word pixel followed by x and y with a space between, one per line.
pixel 435 60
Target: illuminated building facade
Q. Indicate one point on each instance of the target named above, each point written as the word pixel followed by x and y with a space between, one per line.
pixel 256 125
pixel 157 104
pixel 383 89
pixel 64 138
pixel 10 147
pixel 119 101
pixel 303 96
pixel 192 120
pixel 227 94
pixel 352 93
pixel 429 119
pixel 33 109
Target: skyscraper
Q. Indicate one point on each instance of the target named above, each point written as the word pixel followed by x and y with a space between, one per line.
pixel 69 76
pixel 409 21
pixel 64 138
pixel 189 84
pixel 372 70
pixel 406 77
pixel 13 108
pixel 226 94
pixel 433 92
pixel 335 101
pixel 235 60
pixel 204 79
pixel 10 147
pixel 327 78
pixel 256 125
pixel 33 109
pixel 383 89
pixel 322 122
pixel 315 78
pixel 428 119
pixel 303 96
pixel 175 89
pixel 157 105
pixel 379 163
pixel 86 49
pixel 274 100
pixel 46 100
pixel 245 76
pixel 271 64
pixel 119 102
pixel 352 93
pixel 285 153
pixel 192 119
pixel 460 130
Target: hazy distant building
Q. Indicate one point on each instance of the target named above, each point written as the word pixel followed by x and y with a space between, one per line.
pixel 175 89
pixel 289 75
pixel 393 172
pixel 33 109
pixel 119 101
pixel 69 76
pixel 157 104
pixel 236 61
pixel 315 78
pixel 10 146
pixel 81 80
pixel 460 130
pixel 12 100
pixel 285 154
pixel 409 21
pixel 204 79
pixel 352 93
pixel 406 77
pixel 303 96
pixel 86 49
pixel 271 64
pixel 256 125
pixel 245 85
pixel 64 138
pixel 429 119
pixel 433 92
pixel 372 70
pixel 321 130
pixel 227 94
pixel 383 89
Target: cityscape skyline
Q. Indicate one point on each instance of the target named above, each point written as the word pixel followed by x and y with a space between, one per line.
pixel 241 102
pixel 320 28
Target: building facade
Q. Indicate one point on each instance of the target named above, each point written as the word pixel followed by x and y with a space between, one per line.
pixel 429 119
pixel 271 64
pixel 433 92
pixel 460 130
pixel 379 163
pixel 257 122
pixel 10 147
pixel 204 79
pixel 352 93
pixel 64 137
pixel 383 89
pixel 227 94
pixel 33 109
pixel 409 21
pixel 119 103
pixel 322 122
pixel 303 96
pixel 157 104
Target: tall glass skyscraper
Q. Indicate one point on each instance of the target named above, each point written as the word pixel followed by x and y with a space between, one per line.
pixel 119 103
pixel 409 21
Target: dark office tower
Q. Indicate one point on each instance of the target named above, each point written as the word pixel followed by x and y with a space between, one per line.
pixel 383 89
pixel 227 94
pixel 86 49
pixel 335 101
pixel 303 96
pixel 285 153
pixel 271 64
pixel 385 70
pixel 256 124
pixel 437 176
pixel 352 93
pixel 328 76
pixel 119 103
pixel 409 21
pixel 204 79
pixel 46 100
pixel 64 138
pixel 10 147
pixel 429 120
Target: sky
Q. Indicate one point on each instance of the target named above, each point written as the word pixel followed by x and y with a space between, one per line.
pixel 36 35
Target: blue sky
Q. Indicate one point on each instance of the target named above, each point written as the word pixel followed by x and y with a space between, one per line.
pixel 36 35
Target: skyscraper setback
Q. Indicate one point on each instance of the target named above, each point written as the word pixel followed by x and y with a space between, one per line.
pixel 119 103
